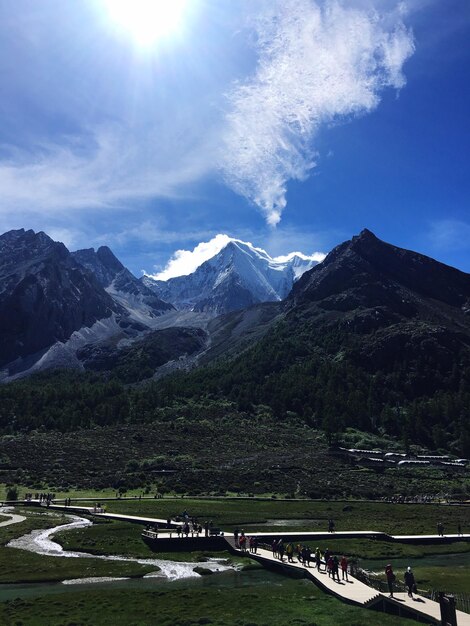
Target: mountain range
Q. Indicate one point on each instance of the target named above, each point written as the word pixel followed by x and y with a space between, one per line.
pixel 375 337
pixel 55 304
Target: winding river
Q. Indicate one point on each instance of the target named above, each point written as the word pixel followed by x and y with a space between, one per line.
pixel 41 542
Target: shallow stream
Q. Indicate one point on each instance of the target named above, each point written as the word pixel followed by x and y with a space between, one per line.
pixel 41 542
pixel 232 579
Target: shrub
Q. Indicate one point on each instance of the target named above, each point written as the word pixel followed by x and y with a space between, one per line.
pixel 12 492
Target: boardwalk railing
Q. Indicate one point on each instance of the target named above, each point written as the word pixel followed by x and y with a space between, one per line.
pixel 377 583
pixel 462 600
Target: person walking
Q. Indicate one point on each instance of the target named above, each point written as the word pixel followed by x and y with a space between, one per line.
pixel 274 547
pixel 317 559
pixel 344 568
pixel 280 549
pixel 309 555
pixel 326 558
pixel 410 582
pixel 304 556
pixel 335 568
pixel 290 552
pixel 390 578
pixel 329 565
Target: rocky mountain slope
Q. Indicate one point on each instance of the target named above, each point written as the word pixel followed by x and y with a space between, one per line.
pixel 364 288
pixel 54 304
pixel 45 295
pixel 140 302
pixel 235 278
pixel 400 303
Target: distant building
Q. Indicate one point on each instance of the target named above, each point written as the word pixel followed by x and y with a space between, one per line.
pixel 413 463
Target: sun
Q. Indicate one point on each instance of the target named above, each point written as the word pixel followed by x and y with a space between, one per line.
pixel 146 21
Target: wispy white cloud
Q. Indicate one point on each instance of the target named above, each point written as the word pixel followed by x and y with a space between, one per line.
pixel 318 62
pixel 184 262
pixel 115 165
pixel 151 232
pixel 449 235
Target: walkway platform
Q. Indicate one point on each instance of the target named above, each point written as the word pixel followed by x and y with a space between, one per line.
pixel 358 534
pixel 91 510
pixel 135 519
pixel 358 593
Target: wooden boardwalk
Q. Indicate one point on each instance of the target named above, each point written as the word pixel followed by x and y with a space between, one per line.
pixel 358 534
pixel 141 520
pixel 356 592
pixel 353 591
pixel 92 510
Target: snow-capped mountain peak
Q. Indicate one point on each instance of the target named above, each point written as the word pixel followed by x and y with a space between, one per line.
pixel 236 276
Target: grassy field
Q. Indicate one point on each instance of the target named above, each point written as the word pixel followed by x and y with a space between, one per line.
pixel 228 513
pixel 265 603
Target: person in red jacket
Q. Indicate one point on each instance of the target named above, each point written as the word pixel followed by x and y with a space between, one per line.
pixel 344 568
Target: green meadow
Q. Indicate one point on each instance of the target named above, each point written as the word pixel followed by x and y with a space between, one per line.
pixel 248 596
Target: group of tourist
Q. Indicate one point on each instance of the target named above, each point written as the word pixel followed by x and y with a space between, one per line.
pixel 246 544
pixel 331 563
pixel 42 497
pixel 192 526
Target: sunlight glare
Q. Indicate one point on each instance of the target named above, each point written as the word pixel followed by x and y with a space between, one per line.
pixel 146 21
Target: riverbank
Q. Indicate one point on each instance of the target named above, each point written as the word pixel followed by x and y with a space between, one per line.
pixel 201 598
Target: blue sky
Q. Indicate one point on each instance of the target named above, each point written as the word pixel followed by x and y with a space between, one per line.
pixel 292 124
